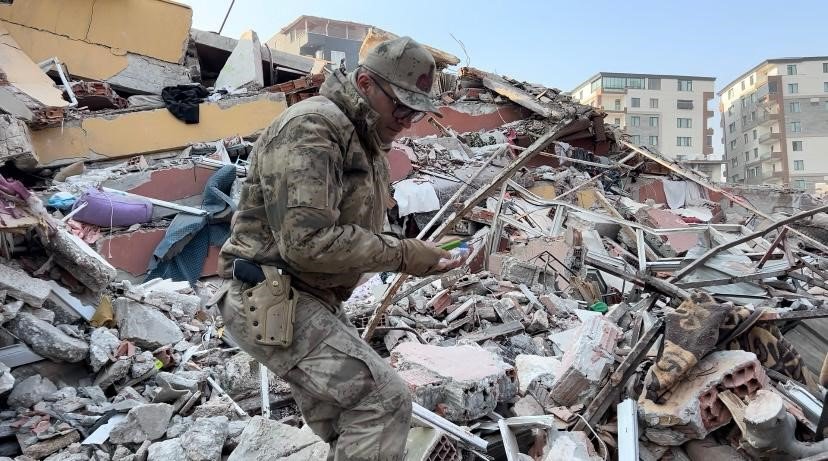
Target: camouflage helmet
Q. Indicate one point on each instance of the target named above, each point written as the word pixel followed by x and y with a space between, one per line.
pixel 408 67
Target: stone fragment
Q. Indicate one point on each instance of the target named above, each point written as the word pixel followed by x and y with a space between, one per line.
pixel 145 326
pixel 528 406
pixel 6 379
pixel 142 364
pixel 240 375
pixel 540 322
pixel 205 439
pixel 468 380
pixel 584 366
pixel 19 285
pixel 47 340
pixel 30 391
pixel 172 386
pixel 113 373
pixel 168 450
pixel 692 409
pixel 182 306
pixel 145 422
pixel 44 448
pixel 529 367
pixel 267 440
pixel 234 432
pixel 571 446
pixel 10 311
pixel 123 453
pixel 102 344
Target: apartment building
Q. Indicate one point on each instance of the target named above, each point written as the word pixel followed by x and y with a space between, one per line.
pixel 322 38
pixel 775 124
pixel 667 112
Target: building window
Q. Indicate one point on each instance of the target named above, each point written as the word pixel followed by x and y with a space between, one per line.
pixel 683 141
pixel 618 121
pixel 636 139
pixel 825 67
pixel 619 83
pixel 793 88
pixel 653 140
pixel 753 116
pixel 731 128
pixel 686 123
pixel 791 69
pixel 617 104
pixel 653 103
pixel 751 80
pixel 581 95
pixel 732 145
pixel 653 83
pixel 742 101
pixel 755 152
pixel 685 85
pixel 734 161
pixel 799 165
pixel 799 184
pixel 793 106
pixel 747 156
pixel 730 93
pixel 752 98
pixel 730 110
pixel 744 120
pixel 635 120
pixel 825 87
pixel 653 121
pixel 746 141
pixel 743 85
pixel 594 85
pixel 636 102
pixel 754 134
pixel 772 87
pixel 797 146
pixel 796 127
pixel 684 104
pixel 708 141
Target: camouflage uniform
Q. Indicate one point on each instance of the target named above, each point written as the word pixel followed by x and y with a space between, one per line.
pixel 314 201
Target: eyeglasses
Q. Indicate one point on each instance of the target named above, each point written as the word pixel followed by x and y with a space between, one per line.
pixel 401 111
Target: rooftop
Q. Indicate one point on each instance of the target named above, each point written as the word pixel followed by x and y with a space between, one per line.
pixel 771 61
pixel 623 74
pixel 318 18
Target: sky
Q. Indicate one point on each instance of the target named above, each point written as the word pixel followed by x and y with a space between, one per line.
pixel 562 43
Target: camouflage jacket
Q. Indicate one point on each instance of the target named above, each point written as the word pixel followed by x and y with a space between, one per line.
pixel 315 196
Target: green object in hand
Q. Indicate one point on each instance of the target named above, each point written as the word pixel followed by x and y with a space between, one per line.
pixel 451 245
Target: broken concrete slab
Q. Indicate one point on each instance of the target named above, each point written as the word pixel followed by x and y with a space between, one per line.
pixel 15 140
pixel 267 440
pixel 129 134
pixel 584 367
pixel 468 380
pixel 24 80
pixel 48 340
pixel 529 367
pixel 167 450
pixel 205 438
pixel 19 285
pixel 6 379
pixel 241 375
pixel 102 344
pixel 85 264
pixel 144 422
pixel 692 408
pixel 44 448
pixel 243 68
pixel 30 391
pixel 136 46
pixel 144 325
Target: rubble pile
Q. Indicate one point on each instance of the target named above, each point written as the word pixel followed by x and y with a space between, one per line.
pixel 614 304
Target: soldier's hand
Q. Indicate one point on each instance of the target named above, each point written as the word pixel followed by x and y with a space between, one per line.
pixel 421 258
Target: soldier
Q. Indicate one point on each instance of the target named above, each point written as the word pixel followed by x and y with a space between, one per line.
pixel 313 205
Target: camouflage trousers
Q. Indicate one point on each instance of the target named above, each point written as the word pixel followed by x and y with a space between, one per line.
pixel 347 393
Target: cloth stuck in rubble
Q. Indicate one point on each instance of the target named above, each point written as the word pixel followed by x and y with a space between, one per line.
pixel 182 101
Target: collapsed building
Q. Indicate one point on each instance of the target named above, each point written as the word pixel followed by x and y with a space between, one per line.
pixel 615 304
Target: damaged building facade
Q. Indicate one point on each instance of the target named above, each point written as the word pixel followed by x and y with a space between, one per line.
pixel 615 304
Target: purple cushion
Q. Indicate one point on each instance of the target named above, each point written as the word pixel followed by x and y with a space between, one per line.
pixel 108 210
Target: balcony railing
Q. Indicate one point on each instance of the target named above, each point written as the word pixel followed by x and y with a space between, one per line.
pixel 768 138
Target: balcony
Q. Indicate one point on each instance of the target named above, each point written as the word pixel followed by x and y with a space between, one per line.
pixel 769 138
pixel 772 174
pixel 767 119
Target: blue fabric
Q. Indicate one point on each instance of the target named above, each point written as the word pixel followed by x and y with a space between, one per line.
pixel 181 253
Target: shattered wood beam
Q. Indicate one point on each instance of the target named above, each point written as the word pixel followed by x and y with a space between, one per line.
pixel 399 279
pixel 773 246
pixel 714 251
pixel 455 217
pixel 609 394
pixel 661 286
pixel 703 183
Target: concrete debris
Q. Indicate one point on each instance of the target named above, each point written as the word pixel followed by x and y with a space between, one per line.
pixel 267 440
pixel 586 255
pixel 47 340
pixel 144 422
pixel 144 325
pixel 467 382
